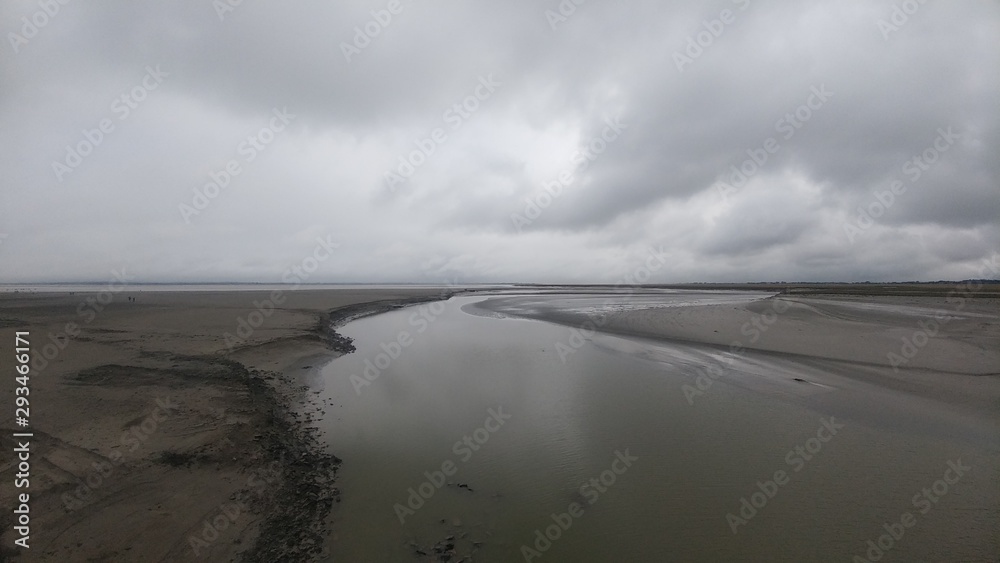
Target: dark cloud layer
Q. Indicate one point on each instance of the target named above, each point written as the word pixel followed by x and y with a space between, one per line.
pixel 472 201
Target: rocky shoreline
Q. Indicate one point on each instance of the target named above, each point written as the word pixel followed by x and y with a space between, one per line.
pixel 155 439
pixel 296 522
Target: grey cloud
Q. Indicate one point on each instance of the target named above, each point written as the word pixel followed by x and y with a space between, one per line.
pixel 656 184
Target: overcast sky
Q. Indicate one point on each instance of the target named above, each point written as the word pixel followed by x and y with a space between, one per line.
pixel 416 140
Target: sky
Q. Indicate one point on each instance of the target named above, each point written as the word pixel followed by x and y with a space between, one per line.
pixel 521 141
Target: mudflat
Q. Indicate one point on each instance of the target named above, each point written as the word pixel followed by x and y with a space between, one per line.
pixel 167 428
pixel 938 346
pixel 179 426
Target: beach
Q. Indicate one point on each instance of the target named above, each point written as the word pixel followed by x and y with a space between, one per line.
pixel 155 440
pixel 933 345
pixel 500 282
pixel 211 425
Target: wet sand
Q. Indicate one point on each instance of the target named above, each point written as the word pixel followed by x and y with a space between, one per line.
pixel 946 348
pixel 155 440
pixel 657 374
pixel 727 386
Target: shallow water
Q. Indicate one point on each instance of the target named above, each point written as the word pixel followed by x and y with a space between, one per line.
pixel 689 462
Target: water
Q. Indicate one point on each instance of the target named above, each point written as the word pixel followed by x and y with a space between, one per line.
pixel 616 399
pixel 219 287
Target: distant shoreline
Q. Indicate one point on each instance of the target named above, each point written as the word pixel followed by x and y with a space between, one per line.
pixel 968 288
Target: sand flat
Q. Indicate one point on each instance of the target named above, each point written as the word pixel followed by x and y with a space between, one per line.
pixel 147 424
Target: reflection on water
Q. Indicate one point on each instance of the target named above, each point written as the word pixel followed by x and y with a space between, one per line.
pixel 461 426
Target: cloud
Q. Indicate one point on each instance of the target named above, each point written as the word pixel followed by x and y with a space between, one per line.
pixel 800 215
